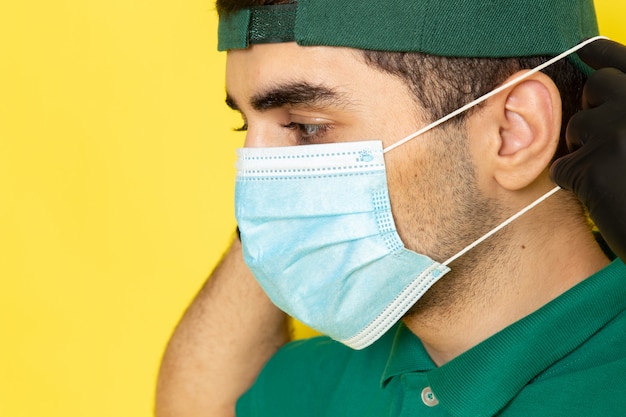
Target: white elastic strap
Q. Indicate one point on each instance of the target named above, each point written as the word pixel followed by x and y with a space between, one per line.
pixel 492 93
pixel 503 225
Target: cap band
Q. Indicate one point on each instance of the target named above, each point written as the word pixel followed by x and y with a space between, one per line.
pixel 272 24
pixel 261 24
pixel 455 28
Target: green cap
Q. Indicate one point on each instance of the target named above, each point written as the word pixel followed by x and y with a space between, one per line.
pixel 455 28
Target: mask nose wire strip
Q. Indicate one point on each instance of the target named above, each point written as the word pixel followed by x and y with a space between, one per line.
pixel 503 225
pixel 492 93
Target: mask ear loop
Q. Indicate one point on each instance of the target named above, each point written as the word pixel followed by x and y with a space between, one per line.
pixel 474 103
pixel 492 93
pixel 502 225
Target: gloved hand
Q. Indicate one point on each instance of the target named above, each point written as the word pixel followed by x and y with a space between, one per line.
pixel 596 136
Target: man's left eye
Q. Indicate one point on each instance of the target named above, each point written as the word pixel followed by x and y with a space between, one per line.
pixel 308 131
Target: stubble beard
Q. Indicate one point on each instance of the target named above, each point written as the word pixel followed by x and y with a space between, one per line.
pixel 460 214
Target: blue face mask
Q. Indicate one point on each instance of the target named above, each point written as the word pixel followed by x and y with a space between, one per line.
pixel 319 236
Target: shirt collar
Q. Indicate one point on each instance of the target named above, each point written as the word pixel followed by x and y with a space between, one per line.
pixel 484 379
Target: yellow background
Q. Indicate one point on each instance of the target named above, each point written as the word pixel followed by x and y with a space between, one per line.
pixel 116 174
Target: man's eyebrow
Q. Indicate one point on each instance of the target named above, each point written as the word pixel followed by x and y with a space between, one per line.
pixel 298 94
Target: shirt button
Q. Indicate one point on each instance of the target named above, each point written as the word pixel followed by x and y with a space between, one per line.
pixel 428 397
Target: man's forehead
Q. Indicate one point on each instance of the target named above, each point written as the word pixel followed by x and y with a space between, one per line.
pixel 270 73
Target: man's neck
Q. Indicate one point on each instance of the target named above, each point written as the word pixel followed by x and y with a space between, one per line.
pixel 479 298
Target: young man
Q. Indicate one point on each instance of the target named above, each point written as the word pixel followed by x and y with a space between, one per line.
pixel 529 322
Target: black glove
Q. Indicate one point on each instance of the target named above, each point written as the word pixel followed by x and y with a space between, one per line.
pixel 596 137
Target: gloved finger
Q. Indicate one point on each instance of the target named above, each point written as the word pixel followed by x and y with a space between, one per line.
pixel 603 85
pixel 604 53
pixel 565 171
pixel 584 126
pixel 559 173
pixel 585 168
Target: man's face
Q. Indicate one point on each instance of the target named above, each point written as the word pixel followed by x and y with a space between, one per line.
pixel 291 95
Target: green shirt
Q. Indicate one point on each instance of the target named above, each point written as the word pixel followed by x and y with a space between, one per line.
pixel 566 359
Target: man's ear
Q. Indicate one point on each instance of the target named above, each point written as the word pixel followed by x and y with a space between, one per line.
pixel 525 125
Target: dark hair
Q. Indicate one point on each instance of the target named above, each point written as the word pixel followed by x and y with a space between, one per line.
pixel 443 84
